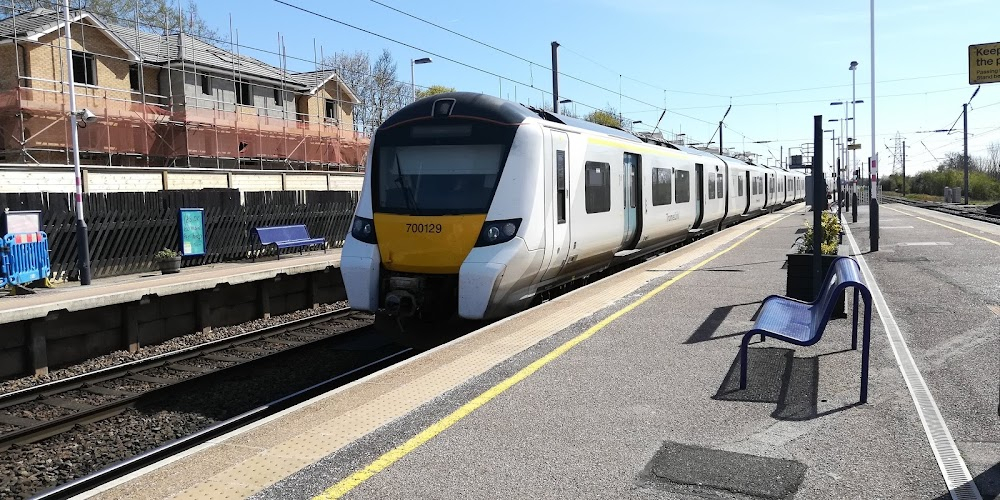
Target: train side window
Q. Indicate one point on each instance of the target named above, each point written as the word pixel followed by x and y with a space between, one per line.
pixel 683 192
pixel 711 187
pixel 597 187
pixel 662 190
pixel 720 185
pixel 740 184
pixel 561 186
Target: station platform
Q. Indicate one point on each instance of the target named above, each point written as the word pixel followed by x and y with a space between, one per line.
pixel 629 388
pixel 71 296
pixel 69 324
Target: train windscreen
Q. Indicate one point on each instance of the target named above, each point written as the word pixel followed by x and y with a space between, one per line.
pixel 438 179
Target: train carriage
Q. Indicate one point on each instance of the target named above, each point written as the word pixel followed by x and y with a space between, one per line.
pixel 475 206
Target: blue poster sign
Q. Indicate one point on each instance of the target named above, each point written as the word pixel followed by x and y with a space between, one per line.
pixel 192 225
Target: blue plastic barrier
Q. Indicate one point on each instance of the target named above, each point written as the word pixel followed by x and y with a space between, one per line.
pixel 24 258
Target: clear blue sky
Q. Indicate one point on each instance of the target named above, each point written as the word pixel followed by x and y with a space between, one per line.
pixel 777 62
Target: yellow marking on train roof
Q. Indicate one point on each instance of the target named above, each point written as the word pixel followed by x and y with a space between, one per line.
pixel 354 480
pixel 635 146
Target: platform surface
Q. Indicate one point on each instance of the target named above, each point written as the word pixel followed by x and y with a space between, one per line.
pixel 72 296
pixel 629 389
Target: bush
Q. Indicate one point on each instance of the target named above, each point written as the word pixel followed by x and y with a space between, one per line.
pixel 831 236
pixel 165 254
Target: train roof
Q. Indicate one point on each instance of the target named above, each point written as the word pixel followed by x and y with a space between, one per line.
pixel 496 109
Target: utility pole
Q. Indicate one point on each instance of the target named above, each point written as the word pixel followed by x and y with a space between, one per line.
pixel 873 211
pixel 82 246
pixel 555 77
pixel 819 197
pixel 965 140
pixel 720 138
pixel 904 168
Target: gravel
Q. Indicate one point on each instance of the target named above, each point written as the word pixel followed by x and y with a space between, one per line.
pixel 121 357
pixel 26 470
pixel 36 411
pixel 129 385
pixel 92 398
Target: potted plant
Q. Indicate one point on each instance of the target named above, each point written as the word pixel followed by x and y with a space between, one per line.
pixel 168 260
pixel 799 283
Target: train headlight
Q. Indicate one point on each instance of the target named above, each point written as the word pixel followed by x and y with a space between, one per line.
pixel 363 230
pixel 498 231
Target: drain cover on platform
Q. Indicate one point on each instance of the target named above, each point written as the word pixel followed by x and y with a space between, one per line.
pixel 694 467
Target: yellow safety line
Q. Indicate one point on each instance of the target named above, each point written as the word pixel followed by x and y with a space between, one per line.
pixel 349 483
pixel 946 226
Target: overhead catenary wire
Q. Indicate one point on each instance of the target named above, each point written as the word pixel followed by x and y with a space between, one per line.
pixel 467 65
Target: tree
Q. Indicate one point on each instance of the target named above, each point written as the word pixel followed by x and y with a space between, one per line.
pixel 433 90
pixel 609 117
pixel 374 83
pixel 155 16
pixel 603 117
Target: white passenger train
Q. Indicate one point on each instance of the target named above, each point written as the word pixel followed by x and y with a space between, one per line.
pixel 476 205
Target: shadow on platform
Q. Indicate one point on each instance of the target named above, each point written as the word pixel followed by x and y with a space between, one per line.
pixel 988 484
pixel 706 330
pixel 776 376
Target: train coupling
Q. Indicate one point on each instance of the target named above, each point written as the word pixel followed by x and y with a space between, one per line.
pixel 401 302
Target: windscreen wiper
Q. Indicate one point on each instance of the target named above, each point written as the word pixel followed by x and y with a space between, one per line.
pixel 411 203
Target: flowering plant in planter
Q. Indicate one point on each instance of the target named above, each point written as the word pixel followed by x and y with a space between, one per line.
pixel 799 284
pixel 831 236
pixel 169 261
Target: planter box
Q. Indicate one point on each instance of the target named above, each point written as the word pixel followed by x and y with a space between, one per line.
pixel 799 283
pixel 170 266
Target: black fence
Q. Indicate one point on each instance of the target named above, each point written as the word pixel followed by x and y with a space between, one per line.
pixel 126 229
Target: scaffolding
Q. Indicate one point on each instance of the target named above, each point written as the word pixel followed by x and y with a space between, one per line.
pixel 145 89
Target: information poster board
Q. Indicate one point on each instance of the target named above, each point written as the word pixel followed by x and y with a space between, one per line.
pixel 192 225
pixel 23 221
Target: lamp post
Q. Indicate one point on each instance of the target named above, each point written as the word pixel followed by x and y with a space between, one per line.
pixel 873 211
pixel 854 112
pixel 413 62
pixel 82 246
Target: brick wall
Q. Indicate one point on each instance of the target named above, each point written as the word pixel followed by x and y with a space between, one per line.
pixel 47 60
pixel 8 67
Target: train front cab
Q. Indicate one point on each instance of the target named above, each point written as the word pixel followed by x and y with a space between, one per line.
pixel 426 210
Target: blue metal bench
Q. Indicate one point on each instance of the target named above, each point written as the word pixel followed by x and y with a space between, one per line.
pixel 803 323
pixel 296 236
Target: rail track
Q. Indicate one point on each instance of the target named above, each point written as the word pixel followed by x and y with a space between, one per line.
pixel 42 411
pixel 966 211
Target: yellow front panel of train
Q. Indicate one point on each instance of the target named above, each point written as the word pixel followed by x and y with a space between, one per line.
pixel 426 244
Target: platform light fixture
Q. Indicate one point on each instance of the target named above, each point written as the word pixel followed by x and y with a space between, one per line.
pixel 414 62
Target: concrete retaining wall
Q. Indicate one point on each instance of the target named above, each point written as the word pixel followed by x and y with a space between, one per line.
pixel 63 338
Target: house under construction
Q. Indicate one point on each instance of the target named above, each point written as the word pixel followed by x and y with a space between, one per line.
pixel 164 101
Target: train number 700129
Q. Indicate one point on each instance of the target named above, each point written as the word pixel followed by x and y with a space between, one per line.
pixel 423 228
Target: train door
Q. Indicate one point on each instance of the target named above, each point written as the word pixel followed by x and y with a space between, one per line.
pixel 699 194
pixel 632 189
pixel 557 183
pixel 746 209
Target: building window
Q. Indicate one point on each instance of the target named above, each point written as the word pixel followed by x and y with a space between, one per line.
pixel 720 185
pixel 84 69
pixel 597 187
pixel 206 86
pixel 560 186
pixel 277 97
pixel 662 191
pixel 331 109
pixel 133 77
pixel 243 94
pixel 683 193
